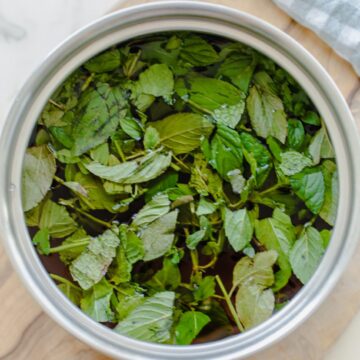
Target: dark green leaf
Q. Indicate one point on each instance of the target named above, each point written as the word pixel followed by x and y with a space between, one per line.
pixel 106 61
pixel 168 278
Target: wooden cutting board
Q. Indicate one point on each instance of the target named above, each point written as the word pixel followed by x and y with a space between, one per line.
pixel 26 333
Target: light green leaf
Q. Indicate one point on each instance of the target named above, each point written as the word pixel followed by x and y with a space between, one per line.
pixel 37 176
pixel 128 300
pixel 42 241
pixel 266 109
pixel 96 302
pixel 277 233
pixel 131 127
pixel 292 162
pixel 296 134
pixel 320 146
pixel 237 181
pixel 163 227
pixel 229 115
pixel 193 239
pixel 197 51
pixel 205 207
pixel 331 197
pixel 91 266
pixel 309 186
pixel 208 94
pixel 79 238
pixel 205 288
pixel 151 138
pixel 150 321
pixel 168 278
pixel 182 132
pixel 101 153
pixel 157 80
pixel 144 169
pixel 102 112
pixel 254 305
pixel 57 220
pixel 158 206
pixel 238 228
pixel 189 326
pixel 255 271
pixel 306 254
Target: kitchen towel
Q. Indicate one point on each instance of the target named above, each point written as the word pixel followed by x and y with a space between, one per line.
pixel 335 21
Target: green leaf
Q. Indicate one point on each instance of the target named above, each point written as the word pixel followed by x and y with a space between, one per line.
pixel 168 278
pixel 306 254
pixel 182 132
pixel 277 233
pixel 101 153
pixel 144 169
pixel 189 326
pixel 42 241
pixel 311 118
pixel 120 270
pixel 161 184
pixel 238 228
pixel 257 156
pixel 237 181
pixel 101 116
pixel 193 239
pixel 331 197
pixel 238 67
pixel 266 109
pixel 150 321
pixel 157 80
pixel 203 180
pixel 254 305
pixel 296 134
pixel 76 246
pixel 154 209
pixel 134 249
pixel 229 115
pixel 128 300
pixel 205 93
pixel 197 51
pixel 309 186
pixel 105 62
pixel 163 227
pixel 320 146
pixel 151 138
pixel 256 271
pixel 96 302
pixel 56 219
pixel 292 162
pixel 91 266
pixel 205 207
pixel 205 288
pixel 225 153
pixel 38 171
pixel 73 293
pixel 131 127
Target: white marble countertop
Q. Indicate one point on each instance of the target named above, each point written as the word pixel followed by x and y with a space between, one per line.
pixel 29 29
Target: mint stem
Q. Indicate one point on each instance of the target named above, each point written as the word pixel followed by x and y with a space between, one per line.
pixel 229 303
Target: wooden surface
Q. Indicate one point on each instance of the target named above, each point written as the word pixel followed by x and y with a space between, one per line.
pixel 27 333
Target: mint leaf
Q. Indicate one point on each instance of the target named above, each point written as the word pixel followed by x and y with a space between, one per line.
pixel 91 266
pixel 42 241
pixel 292 162
pixel 38 172
pixel 168 278
pixel 309 186
pixel 150 321
pixel 331 197
pixel 238 228
pixel 163 227
pixel 306 254
pixel 182 132
pixel 266 109
pixel 205 288
pixel 105 62
pixel 189 326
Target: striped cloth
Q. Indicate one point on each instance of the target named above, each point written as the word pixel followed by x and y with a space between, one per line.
pixel 335 21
